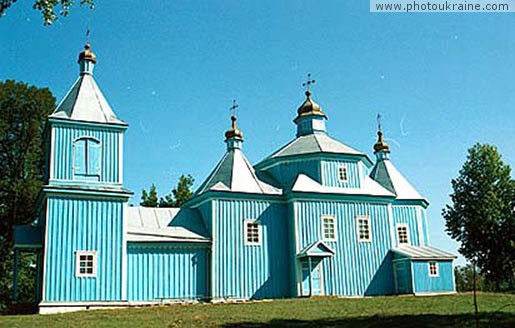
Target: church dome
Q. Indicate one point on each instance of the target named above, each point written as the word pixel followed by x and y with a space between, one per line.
pixel 87 54
pixel 309 107
pixel 381 145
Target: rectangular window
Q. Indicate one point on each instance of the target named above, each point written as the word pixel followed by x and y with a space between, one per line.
pixel 329 227
pixel 342 173
pixel 433 269
pixel 87 158
pixel 363 223
pixel 252 233
pixel 402 234
pixel 86 264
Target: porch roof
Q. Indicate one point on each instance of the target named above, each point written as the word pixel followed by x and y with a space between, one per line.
pixel 316 249
pixel 422 253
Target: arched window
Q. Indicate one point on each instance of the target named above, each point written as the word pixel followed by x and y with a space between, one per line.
pixel 87 159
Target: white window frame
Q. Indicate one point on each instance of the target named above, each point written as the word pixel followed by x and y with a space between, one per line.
pixel 344 168
pixel 437 270
pixel 94 266
pixel 246 232
pixel 367 219
pixel 402 225
pixel 323 218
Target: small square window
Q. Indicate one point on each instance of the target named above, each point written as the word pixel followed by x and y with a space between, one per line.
pixel 86 264
pixel 342 173
pixel 433 269
pixel 252 233
pixel 329 227
pixel 363 223
pixel 402 234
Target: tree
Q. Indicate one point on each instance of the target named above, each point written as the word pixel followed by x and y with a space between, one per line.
pixel 23 112
pixel 47 8
pixel 149 199
pixel 180 194
pixel 482 214
pixel 464 276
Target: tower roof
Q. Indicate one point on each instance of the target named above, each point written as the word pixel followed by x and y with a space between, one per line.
pixel 85 102
pixel 386 174
pixel 234 173
pixel 310 107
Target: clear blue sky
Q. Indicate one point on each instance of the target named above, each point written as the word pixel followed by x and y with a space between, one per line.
pixel 171 69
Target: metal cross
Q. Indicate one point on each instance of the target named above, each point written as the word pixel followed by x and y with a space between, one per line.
pixel 378 122
pixel 233 108
pixel 308 82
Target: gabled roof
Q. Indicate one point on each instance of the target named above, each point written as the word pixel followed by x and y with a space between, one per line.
pixel 422 253
pixel 234 173
pixel 385 173
pixel 318 248
pixel 148 224
pixel 368 188
pixel 314 143
pixel 85 102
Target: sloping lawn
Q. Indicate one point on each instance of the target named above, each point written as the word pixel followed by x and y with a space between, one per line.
pixel 496 310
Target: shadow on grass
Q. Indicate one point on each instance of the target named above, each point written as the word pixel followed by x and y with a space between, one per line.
pixel 429 320
pixel 20 309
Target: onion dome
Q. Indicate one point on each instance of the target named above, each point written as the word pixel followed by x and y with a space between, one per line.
pixel 234 132
pixel 309 107
pixel 381 145
pixel 87 54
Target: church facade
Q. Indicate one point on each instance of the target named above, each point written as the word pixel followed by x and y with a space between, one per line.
pixel 315 218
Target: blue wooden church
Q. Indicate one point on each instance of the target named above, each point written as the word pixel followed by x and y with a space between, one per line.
pixel 315 218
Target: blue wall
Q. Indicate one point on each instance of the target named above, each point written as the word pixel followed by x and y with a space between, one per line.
pixel 402 274
pixel 287 171
pixel 423 283
pixel 410 215
pixel 330 174
pixel 166 271
pixel 357 268
pixel 63 157
pixel 74 224
pixel 249 271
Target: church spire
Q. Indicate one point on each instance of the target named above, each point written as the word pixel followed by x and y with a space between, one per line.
pixel 87 60
pixel 233 136
pixel 381 148
pixel 310 116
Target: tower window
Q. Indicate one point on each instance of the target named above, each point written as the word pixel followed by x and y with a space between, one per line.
pixel 402 234
pixel 329 227
pixel 342 173
pixel 86 152
pixel 86 264
pixel 252 233
pixel 433 269
pixel 363 223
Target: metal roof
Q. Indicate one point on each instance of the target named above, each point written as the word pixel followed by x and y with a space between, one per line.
pixel 314 143
pixel 85 102
pixel 148 224
pixel 386 174
pixel 423 253
pixel 318 248
pixel 368 188
pixel 234 173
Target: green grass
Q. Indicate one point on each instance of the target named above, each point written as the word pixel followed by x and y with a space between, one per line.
pixel 496 310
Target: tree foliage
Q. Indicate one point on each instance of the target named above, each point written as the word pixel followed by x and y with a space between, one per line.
pixel 23 111
pixel 149 199
pixel 179 195
pixel 482 214
pixel 464 276
pixel 48 8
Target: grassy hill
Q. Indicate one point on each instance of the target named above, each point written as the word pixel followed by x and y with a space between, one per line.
pixel 496 310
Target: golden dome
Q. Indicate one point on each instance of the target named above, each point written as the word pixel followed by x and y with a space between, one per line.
pixel 381 145
pixel 309 107
pixel 234 132
pixel 87 54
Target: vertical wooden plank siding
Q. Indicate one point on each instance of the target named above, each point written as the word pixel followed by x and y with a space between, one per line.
pixel 330 174
pixel 63 152
pixel 249 271
pixel 357 268
pixel 410 215
pixel 423 283
pixel 287 171
pixel 76 224
pixel 164 270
